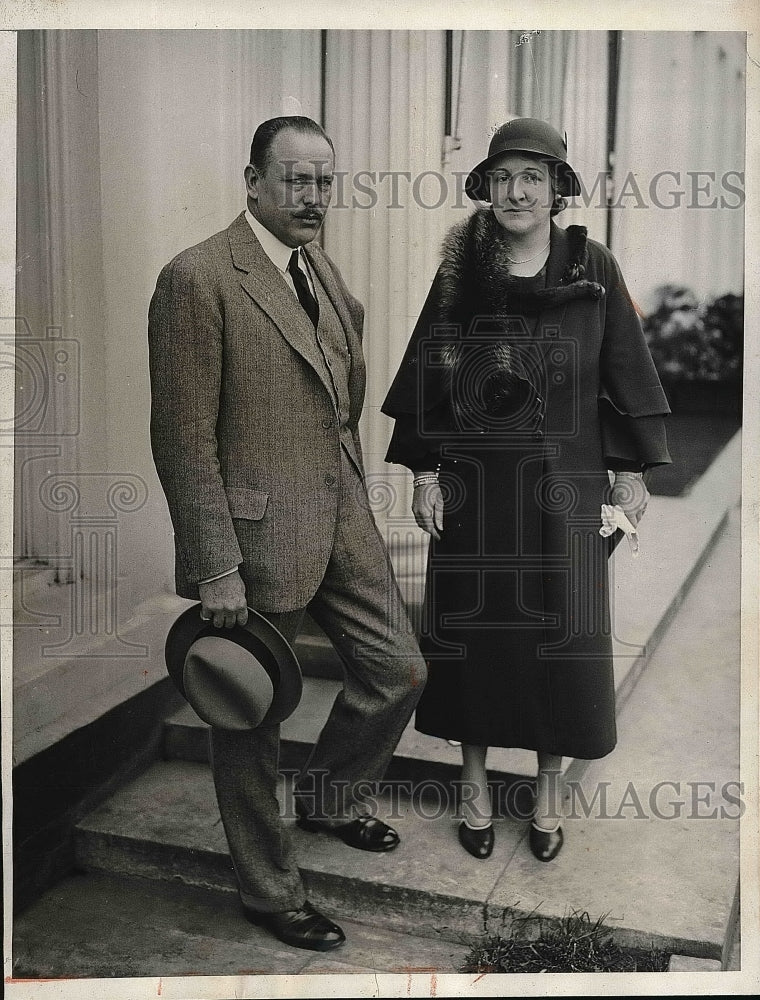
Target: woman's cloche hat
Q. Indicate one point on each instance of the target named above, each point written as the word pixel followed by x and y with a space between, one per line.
pixel 235 678
pixel 524 135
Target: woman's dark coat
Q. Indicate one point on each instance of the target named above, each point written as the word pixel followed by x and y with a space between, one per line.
pixel 526 396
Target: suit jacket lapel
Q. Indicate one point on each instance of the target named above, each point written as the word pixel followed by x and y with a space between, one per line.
pixel 325 274
pixel 266 286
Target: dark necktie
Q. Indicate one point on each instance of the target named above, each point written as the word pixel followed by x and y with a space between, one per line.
pixel 303 291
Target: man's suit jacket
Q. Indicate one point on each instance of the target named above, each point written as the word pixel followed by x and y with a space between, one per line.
pixel 244 427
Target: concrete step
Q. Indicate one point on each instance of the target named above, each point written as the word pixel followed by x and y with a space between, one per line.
pixel 658 873
pixel 170 930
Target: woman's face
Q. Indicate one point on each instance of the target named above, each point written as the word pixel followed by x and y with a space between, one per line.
pixel 522 193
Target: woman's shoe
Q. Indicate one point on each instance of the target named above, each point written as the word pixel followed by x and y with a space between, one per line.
pixel 546 844
pixel 478 842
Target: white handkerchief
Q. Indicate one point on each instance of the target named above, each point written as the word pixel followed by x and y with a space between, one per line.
pixel 614 518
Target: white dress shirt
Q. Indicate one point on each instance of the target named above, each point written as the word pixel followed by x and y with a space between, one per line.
pixel 279 253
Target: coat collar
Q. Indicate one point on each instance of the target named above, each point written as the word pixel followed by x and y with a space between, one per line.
pixel 559 256
pixel 553 315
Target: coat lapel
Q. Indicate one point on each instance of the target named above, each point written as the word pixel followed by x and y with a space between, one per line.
pixel 326 276
pixel 559 257
pixel 266 286
pixel 551 317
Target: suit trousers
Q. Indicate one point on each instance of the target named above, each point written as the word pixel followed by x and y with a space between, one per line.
pixel 360 608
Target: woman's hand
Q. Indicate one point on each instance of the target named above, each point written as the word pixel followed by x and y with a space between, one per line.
pixel 630 494
pixel 427 507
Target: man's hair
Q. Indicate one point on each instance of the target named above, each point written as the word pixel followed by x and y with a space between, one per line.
pixel 266 133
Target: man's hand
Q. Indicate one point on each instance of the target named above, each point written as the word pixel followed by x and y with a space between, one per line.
pixel 631 495
pixel 224 601
pixel 427 507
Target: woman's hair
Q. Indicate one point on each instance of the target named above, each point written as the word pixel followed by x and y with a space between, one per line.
pixel 559 204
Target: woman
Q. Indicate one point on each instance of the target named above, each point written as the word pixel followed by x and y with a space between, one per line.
pixel 526 379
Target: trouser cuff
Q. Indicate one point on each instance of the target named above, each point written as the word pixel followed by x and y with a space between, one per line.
pixel 263 904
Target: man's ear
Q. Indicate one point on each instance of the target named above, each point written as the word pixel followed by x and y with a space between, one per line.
pixel 251 181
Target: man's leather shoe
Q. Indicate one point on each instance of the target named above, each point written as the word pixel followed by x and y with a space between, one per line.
pixel 477 842
pixel 365 833
pixel 302 928
pixel 546 844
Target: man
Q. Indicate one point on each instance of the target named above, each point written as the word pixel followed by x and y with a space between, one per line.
pixel 257 381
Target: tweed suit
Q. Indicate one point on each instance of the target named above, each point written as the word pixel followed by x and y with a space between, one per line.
pixel 256 444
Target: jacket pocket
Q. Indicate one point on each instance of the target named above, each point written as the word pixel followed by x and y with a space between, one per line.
pixel 248 504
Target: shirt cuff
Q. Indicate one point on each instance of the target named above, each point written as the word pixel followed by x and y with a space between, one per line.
pixel 227 572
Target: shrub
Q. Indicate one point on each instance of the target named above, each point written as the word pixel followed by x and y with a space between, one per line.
pixel 691 340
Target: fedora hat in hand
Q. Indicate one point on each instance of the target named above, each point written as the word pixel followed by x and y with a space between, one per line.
pixel 235 678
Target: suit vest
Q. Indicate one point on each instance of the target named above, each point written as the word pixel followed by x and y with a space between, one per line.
pixel 331 339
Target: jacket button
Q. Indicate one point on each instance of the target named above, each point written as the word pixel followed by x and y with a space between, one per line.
pixel 327 422
pixel 330 479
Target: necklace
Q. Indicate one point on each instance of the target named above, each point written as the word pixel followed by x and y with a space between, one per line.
pixel 526 259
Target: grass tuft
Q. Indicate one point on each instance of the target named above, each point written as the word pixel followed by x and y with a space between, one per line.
pixel 573 944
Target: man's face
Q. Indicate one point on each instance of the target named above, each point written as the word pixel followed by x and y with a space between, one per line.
pixel 522 193
pixel 290 197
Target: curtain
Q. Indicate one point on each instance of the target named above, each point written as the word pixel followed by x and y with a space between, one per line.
pixel 384 112
pixel 584 118
pixel 680 112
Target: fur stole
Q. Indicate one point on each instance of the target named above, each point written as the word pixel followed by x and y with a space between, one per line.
pixel 475 273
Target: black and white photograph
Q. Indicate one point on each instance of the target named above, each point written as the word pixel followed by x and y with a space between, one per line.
pixel 380 500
